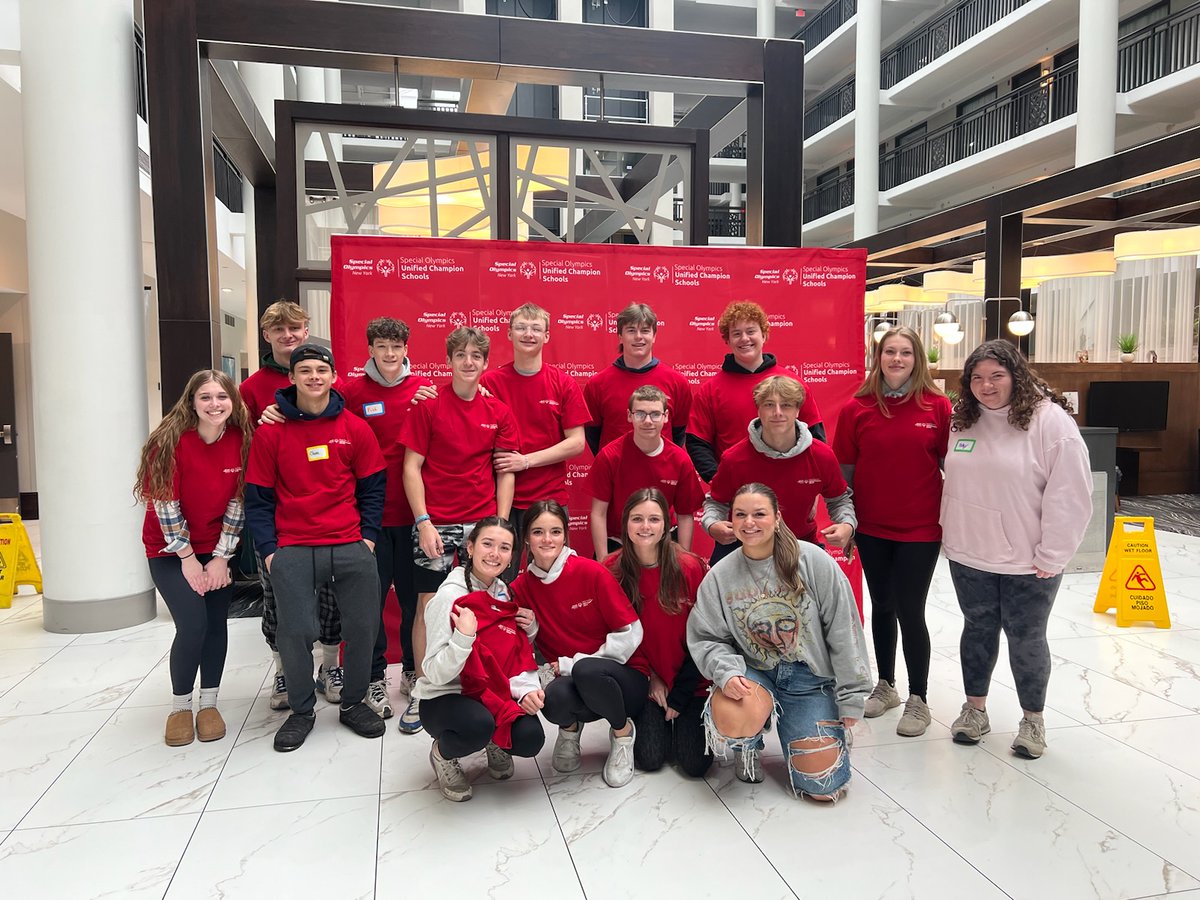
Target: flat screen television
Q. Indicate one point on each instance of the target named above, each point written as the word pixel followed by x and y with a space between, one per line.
pixel 1128 405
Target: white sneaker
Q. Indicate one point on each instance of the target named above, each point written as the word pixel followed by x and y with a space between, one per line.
pixel 377 699
pixel 452 781
pixel 566 750
pixel 1030 741
pixel 410 719
pixel 279 698
pixel 747 765
pixel 499 762
pixel 408 681
pixel 329 683
pixel 618 768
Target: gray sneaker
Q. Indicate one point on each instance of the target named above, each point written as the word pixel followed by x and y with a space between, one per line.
pixel 1030 741
pixel 747 765
pixel 499 762
pixel 377 699
pixel 566 750
pixel 329 683
pixel 452 781
pixel 915 718
pixel 881 699
pixel 970 726
pixel 279 697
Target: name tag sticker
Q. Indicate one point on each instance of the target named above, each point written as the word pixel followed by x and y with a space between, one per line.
pixel 373 409
pixel 964 445
pixel 317 453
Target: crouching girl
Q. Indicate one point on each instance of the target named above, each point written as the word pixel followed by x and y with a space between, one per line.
pixel 776 629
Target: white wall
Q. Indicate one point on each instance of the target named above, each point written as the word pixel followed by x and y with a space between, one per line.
pixel 14 319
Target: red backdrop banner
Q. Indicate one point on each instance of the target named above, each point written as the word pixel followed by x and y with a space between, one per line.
pixel 813 298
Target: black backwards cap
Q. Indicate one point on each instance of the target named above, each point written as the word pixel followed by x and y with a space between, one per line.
pixel 311 351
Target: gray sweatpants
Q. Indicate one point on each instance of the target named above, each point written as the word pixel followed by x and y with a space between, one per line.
pixel 1020 606
pixel 297 573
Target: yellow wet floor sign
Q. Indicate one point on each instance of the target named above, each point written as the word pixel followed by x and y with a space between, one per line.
pixel 18 565
pixel 1132 581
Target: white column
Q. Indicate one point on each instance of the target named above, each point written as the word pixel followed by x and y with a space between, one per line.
pixel 661 111
pixel 570 97
pixel 80 141
pixel 766 18
pixel 264 81
pixel 251 269
pixel 333 94
pixel 1096 124
pixel 866 119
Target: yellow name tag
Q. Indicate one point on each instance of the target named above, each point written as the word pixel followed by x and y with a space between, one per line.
pixel 319 452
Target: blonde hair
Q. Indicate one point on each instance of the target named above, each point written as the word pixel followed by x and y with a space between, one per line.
pixel 283 312
pixel 529 311
pixel 156 468
pixel 789 390
pixel 921 380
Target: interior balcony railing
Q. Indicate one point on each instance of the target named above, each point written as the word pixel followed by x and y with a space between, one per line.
pixel 718 188
pixel 1159 49
pixel 735 149
pixel 940 35
pixel 829 197
pixel 1050 98
pixel 817 28
pixel 723 221
pixel 829 107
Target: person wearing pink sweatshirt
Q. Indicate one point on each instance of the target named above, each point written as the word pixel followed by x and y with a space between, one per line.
pixel 1015 503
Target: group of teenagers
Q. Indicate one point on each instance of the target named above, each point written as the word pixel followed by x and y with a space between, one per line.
pixel 454 495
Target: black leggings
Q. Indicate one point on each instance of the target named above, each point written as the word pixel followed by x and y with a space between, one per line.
pixel 201 630
pixel 681 739
pixel 898 575
pixel 597 688
pixel 462 726
pixel 394 559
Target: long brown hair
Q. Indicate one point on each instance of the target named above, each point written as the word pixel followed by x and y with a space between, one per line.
pixel 921 379
pixel 539 508
pixel 1029 390
pixel 627 569
pixel 485 522
pixel 786 550
pixel 156 469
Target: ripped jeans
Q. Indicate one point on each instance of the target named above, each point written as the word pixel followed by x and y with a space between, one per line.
pixel 805 711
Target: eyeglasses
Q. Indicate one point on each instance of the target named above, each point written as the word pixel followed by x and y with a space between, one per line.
pixel 641 416
pixel 528 329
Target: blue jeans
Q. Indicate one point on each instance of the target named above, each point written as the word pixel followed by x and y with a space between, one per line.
pixel 805 709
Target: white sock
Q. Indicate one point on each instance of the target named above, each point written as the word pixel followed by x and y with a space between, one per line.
pixel 278 662
pixel 181 701
pixel 329 653
pixel 208 697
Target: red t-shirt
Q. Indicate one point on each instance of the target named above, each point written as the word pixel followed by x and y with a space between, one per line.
pixel 258 391
pixel 664 636
pixel 457 438
pixel 576 613
pixel 621 468
pixel 724 406
pixel 314 465
pixel 607 395
pixel 385 409
pixel 206 479
pixel 546 404
pixel 897 481
pixel 797 481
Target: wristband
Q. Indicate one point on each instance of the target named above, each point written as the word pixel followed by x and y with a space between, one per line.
pixel 189 556
pixel 421 518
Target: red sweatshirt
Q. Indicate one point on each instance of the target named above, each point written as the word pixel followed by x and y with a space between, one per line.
pixel 608 391
pixel 385 409
pixel 622 468
pixel 206 479
pixel 725 406
pixel 500 651
pixel 546 404
pixel 897 481
pixel 258 391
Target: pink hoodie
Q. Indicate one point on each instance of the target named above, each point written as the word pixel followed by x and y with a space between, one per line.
pixel 1014 500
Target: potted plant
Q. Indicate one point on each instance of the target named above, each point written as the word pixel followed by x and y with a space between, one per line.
pixel 934 355
pixel 1127 344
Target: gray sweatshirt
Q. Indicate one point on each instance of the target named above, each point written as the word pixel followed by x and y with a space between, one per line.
pixel 743 617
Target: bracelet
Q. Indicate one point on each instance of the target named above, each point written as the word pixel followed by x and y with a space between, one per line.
pixel 526 458
pixel 189 556
pixel 419 519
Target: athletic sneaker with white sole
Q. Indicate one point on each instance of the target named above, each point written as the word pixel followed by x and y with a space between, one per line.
pixel 882 698
pixel 971 725
pixel 279 698
pixel 410 719
pixel 499 762
pixel 452 780
pixel 618 768
pixel 377 699
pixel 566 758
pixel 1030 741
pixel 747 765
pixel 329 683
pixel 915 719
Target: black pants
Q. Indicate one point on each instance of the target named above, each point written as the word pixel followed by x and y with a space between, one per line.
pixel 201 632
pixel 462 726
pixel 597 688
pixel 298 574
pixel 681 739
pixel 394 559
pixel 898 574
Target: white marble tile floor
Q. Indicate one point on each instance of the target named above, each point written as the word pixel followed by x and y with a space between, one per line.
pixel 93 804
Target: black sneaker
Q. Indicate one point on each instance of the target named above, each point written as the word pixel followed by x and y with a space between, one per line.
pixel 293 731
pixel 362 720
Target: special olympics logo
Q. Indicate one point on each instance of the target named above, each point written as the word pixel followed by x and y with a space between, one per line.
pixel 385 267
pixel 594 321
pixel 661 274
pixel 790 276
pixel 528 269
pixel 458 319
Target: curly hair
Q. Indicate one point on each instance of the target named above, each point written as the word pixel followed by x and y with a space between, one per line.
pixel 1028 392
pixel 921 381
pixel 155 478
pixel 742 311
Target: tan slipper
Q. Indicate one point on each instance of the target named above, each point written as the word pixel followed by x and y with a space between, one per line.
pixel 209 724
pixel 180 732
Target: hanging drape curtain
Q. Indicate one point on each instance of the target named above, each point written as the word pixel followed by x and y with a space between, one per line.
pixel 969 311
